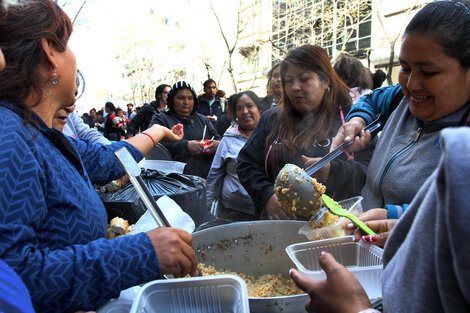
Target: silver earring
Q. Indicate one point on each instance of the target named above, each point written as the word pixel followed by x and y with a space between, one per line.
pixel 236 119
pixel 55 80
pixel 328 89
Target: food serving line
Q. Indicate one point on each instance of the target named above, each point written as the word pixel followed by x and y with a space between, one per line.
pixel 252 248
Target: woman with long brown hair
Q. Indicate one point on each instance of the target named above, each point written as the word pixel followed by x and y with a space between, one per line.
pixel 313 106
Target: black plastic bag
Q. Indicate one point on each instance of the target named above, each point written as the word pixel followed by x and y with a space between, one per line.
pixel 186 190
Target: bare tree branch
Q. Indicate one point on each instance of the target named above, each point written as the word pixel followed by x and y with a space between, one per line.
pixel 393 40
pixel 78 12
pixel 230 49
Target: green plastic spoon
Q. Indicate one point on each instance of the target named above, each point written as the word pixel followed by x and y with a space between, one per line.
pixel 336 209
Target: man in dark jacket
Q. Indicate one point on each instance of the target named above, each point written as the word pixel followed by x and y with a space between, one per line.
pixel 142 119
pixel 209 103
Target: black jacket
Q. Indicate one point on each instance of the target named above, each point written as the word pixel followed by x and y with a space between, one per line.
pixel 143 118
pixel 205 109
pixel 346 178
pixel 266 103
pixel 198 165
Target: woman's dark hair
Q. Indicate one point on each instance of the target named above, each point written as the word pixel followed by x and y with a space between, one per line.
pixel 299 130
pixel 110 106
pixel 228 106
pixel 270 77
pixel 21 29
pixel 236 97
pixel 159 90
pixel 353 73
pixel 448 23
pixel 378 78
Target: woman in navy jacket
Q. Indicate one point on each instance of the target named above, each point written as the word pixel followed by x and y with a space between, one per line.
pixel 52 222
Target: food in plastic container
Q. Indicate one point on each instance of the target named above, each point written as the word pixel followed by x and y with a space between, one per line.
pixel 324 225
pixel 226 293
pixel 362 259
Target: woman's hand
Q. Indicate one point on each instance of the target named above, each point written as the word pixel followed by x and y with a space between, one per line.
pixel 382 228
pixel 322 174
pixel 195 147
pixel 274 211
pixel 380 225
pixel 176 133
pixel 174 251
pixel 341 292
pixel 212 148
pixel 161 133
pixel 374 214
pixel 157 133
pixel 347 133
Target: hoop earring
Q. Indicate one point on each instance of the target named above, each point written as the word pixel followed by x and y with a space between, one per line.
pixel 55 80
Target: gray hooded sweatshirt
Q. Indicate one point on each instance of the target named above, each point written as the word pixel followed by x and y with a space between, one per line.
pixel 223 171
pixel 426 258
pixel 406 154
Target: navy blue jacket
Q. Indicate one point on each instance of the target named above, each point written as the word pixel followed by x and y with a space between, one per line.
pixel 205 109
pixel 53 223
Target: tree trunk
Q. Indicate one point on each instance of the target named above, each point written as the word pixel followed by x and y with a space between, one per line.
pixel 230 70
pixel 390 62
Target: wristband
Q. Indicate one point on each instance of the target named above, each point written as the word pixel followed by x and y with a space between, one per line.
pixel 370 310
pixel 154 143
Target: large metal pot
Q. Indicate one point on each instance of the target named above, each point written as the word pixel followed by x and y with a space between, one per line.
pixel 254 248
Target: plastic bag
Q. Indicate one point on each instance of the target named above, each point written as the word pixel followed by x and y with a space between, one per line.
pixel 189 192
pixel 173 213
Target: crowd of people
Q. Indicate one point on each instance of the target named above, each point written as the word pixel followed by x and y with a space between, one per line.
pixel 53 253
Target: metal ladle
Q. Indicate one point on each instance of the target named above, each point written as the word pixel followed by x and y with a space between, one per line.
pixel 296 190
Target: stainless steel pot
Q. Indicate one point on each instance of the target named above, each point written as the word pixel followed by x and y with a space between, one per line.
pixel 254 248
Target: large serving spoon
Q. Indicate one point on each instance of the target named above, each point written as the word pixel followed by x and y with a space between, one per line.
pixel 299 193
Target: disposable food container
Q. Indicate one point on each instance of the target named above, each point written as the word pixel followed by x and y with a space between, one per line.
pixel 362 259
pixel 116 306
pixel 353 205
pixel 211 294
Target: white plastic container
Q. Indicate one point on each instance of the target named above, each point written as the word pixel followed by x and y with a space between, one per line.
pixel 116 306
pixel 208 294
pixel 362 259
pixel 353 205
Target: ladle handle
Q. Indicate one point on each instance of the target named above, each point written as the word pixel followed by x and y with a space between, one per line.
pixel 373 128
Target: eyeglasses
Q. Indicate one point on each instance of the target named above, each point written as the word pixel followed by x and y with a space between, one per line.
pixel 165 92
